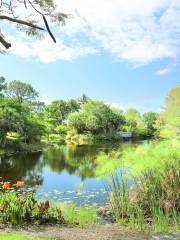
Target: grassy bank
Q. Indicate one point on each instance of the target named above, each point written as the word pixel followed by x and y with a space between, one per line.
pixel 146 188
pixel 19 236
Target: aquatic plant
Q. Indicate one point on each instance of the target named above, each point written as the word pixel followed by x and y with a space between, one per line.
pixel 19 205
pixel 146 187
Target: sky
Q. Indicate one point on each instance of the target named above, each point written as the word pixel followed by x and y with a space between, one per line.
pixel 126 53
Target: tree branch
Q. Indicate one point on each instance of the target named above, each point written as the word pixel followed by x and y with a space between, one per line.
pixel 48 29
pixel 4 42
pixel 3 17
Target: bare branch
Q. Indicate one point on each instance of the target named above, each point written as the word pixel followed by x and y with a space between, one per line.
pixel 29 24
pixel 48 29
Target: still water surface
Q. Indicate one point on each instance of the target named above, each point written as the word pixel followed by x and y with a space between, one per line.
pixel 65 174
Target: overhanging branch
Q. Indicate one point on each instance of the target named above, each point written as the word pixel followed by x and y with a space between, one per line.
pixel 4 42
pixel 3 17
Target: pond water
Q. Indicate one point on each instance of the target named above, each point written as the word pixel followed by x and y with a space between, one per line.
pixel 66 173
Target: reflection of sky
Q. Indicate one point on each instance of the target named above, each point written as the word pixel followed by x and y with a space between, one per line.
pixel 67 187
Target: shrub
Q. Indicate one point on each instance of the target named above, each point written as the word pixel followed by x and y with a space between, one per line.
pixel 18 205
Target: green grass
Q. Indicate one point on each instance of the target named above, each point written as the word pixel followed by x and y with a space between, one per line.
pixel 154 173
pixel 80 215
pixel 19 236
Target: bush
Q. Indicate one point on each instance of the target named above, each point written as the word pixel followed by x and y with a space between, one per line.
pixel 18 205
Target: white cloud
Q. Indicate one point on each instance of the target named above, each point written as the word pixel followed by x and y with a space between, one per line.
pixel 46 51
pixel 125 106
pixel 167 69
pixel 135 31
pixel 45 99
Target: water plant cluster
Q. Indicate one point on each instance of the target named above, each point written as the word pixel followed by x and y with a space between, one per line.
pixel 18 205
pixel 145 190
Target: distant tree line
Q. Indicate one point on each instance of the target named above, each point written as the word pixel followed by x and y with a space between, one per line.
pixel 25 120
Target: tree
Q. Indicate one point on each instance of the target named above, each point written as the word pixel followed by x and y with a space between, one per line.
pixel 168 122
pixel 20 91
pixel 73 105
pixel 77 121
pixel 149 119
pixel 96 117
pixel 36 14
pixel 134 122
pixel 2 85
pixel 10 120
pixel 83 99
pixel 58 110
pixel 133 114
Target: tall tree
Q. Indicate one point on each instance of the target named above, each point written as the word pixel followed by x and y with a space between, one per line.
pixel 21 91
pixel 149 119
pixel 168 123
pixel 83 99
pixel 96 117
pixel 2 85
pixel 134 122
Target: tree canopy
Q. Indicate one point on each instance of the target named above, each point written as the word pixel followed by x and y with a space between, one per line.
pixel 21 91
pixel 26 120
pixel 168 122
pixel 95 117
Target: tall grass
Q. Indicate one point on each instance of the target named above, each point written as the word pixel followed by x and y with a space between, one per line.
pixel 146 188
pixel 81 216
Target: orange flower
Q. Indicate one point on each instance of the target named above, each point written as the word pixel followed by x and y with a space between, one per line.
pixel 6 185
pixel 20 184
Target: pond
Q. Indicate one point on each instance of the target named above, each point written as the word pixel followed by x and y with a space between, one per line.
pixel 66 173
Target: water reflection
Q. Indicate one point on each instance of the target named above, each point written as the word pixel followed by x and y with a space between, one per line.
pixel 79 161
pixel 22 166
pixel 59 172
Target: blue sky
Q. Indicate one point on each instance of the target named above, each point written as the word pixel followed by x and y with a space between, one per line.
pixel 135 67
pixel 100 77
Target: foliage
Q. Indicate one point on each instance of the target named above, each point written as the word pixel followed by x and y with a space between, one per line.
pixel 58 110
pixel 20 91
pixel 168 122
pixel 37 14
pixel 149 119
pixel 2 85
pixel 134 123
pixel 80 215
pixel 147 183
pixel 80 121
pixel 19 206
pixel 96 117
pixel 83 99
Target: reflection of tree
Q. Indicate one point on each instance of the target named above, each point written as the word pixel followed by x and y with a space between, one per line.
pixel 75 160
pixel 24 166
pixel 80 161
